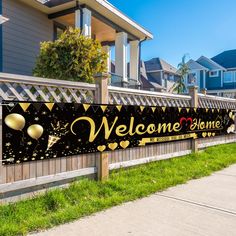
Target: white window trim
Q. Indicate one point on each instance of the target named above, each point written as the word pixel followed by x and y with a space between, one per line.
pixel 232 77
pixel 213 76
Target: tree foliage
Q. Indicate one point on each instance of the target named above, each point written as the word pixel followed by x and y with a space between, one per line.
pixel 183 70
pixel 71 57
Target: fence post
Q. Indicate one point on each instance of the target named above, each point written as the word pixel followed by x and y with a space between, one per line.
pixel 193 92
pixel 102 95
pixel 204 91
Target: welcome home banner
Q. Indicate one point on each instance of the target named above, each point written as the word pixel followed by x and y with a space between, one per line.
pixel 37 131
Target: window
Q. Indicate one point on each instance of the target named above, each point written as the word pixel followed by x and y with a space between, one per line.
pixel 58 30
pixel 214 73
pixel 228 77
pixel 192 78
pixel 172 77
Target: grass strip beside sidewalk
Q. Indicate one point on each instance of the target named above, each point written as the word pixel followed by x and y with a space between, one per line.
pixel 85 197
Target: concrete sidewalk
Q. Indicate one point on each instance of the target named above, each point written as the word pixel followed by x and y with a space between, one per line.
pixel 202 207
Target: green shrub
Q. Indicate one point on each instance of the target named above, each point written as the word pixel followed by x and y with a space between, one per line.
pixel 71 57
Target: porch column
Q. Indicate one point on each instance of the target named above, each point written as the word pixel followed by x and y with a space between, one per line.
pixel 121 55
pixel 204 79
pixel 222 78
pixel 134 60
pixel 86 21
pixel 107 50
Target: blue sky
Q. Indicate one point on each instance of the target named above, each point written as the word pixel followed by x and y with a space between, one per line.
pixel 195 27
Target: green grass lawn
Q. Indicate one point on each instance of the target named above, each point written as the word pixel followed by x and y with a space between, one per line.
pixel 85 197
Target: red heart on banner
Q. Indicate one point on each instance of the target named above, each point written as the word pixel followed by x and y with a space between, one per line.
pixel 184 119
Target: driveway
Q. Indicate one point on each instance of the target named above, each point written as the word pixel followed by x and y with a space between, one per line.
pixel 201 207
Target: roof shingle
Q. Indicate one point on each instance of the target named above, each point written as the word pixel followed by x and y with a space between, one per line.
pixel 157 64
pixel 226 59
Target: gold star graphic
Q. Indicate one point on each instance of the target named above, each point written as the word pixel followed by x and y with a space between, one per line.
pixel 8 144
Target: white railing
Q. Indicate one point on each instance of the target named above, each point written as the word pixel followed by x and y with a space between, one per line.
pixel 27 88
pixel 146 98
pixel 209 101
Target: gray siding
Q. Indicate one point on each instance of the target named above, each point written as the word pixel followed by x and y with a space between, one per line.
pixel 22 35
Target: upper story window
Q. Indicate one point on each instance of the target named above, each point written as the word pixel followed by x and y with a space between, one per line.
pixel 58 30
pixel 172 77
pixel 214 73
pixel 192 78
pixel 228 77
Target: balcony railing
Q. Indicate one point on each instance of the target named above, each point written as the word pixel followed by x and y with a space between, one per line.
pixel 117 81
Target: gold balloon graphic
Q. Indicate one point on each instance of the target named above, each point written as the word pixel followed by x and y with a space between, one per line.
pixel 15 121
pixel 35 131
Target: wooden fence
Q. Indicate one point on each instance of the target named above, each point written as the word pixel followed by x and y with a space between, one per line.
pixel 22 180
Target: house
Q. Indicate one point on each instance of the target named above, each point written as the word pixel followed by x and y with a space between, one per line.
pixel 161 74
pixel 217 75
pixel 145 84
pixel 33 21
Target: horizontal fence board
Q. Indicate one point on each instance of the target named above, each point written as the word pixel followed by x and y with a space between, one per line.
pixel 148 151
pixel 8 187
pixel 147 160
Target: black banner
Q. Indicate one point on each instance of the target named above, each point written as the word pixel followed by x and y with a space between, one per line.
pixel 37 131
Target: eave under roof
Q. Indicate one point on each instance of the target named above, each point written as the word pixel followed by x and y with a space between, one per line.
pixel 101 6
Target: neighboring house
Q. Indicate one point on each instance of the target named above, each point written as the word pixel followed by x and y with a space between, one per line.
pixel 217 75
pixel 145 84
pixel 33 21
pixel 162 74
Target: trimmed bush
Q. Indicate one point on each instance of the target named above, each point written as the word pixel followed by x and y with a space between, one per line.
pixel 71 57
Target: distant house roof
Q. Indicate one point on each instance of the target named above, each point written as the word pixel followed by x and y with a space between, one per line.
pixel 147 85
pixel 156 85
pixel 143 69
pixel 226 59
pixel 193 65
pixel 210 64
pixel 157 64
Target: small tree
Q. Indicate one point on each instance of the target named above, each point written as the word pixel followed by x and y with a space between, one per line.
pixel 71 57
pixel 183 70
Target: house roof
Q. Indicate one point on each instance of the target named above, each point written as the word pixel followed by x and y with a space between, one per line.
pixel 193 65
pixel 146 84
pixel 157 64
pixel 143 69
pixel 156 85
pixel 226 59
pixel 102 7
pixel 210 64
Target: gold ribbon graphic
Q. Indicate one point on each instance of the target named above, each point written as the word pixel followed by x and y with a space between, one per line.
pixel 145 141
